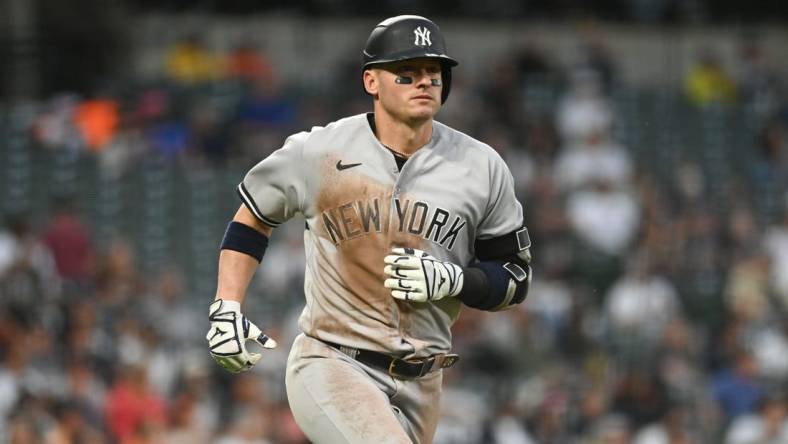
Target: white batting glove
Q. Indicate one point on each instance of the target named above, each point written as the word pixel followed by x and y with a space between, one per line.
pixel 416 276
pixel 228 335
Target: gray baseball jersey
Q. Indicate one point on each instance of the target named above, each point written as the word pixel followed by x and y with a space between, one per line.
pixel 358 206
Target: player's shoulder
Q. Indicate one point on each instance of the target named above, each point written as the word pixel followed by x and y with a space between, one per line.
pixel 467 144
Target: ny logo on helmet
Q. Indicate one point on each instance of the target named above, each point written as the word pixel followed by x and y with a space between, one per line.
pixel 422 36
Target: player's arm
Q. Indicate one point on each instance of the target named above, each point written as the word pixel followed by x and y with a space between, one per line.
pixel 242 249
pixel 502 276
pixel 498 281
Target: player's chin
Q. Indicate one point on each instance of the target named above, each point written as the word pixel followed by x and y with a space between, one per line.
pixel 424 109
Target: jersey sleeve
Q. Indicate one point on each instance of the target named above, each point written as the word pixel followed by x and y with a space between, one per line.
pixel 274 189
pixel 504 214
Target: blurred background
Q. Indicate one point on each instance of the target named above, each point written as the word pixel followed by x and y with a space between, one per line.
pixel 648 143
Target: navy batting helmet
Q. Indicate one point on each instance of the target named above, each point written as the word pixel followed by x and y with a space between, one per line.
pixel 408 37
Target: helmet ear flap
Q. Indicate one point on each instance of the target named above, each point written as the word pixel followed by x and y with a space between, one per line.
pixel 446 80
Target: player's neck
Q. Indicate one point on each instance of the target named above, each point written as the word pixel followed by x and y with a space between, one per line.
pixel 401 137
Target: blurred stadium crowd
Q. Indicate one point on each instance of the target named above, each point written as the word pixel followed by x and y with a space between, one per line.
pixel 658 313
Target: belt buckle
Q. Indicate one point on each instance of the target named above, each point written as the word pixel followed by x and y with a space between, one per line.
pixel 391 371
pixel 425 363
pixel 449 359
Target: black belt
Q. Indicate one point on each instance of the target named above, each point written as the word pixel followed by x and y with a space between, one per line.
pixel 396 367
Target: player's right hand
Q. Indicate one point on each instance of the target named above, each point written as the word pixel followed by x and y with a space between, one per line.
pixel 228 335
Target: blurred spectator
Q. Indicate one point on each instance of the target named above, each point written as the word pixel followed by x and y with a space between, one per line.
pixel 640 397
pixel 249 63
pixel 70 427
pixel 584 110
pixel 707 82
pixel 595 56
pixel 152 104
pixel 775 243
pixel 747 289
pixel 69 241
pixel 550 303
pixel 742 231
pixel 767 425
pixel 770 166
pixel 508 428
pixel 612 429
pixel 679 351
pixel 97 121
pixel 170 139
pixel 267 106
pixel 532 62
pixel 125 149
pixel 697 262
pixel 594 405
pixel 758 81
pixel 21 432
pixel 541 141
pixel 131 406
pixel 117 279
pixel 167 309
pixel 189 62
pixel 640 306
pixel 671 429
pixel 184 427
pixel 737 388
pixel 604 218
pixel 286 430
pixel 85 391
pixel 28 275
pixel 247 428
pixel 55 127
pixel 210 134
pixel 588 154
pixel 770 347
pixel 462 413
pixel 12 369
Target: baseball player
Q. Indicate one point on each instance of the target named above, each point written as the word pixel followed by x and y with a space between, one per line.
pixel 407 220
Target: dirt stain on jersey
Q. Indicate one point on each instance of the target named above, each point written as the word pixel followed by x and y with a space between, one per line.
pixel 357 216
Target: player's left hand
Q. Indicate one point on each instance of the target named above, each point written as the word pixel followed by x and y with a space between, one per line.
pixel 416 276
pixel 228 334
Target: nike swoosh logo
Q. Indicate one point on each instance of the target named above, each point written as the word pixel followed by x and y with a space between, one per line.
pixel 341 167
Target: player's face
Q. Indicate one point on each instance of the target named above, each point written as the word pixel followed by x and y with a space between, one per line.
pixel 410 90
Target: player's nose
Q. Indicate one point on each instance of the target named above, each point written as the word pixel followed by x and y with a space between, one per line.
pixel 424 78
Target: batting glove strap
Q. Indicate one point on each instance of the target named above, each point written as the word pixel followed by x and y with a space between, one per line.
pixel 228 335
pixel 414 275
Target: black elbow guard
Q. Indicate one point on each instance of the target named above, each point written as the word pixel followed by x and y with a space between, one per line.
pixel 495 286
pixel 519 283
pixel 502 277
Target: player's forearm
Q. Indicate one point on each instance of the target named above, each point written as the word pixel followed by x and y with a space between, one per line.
pixel 235 273
pixel 241 253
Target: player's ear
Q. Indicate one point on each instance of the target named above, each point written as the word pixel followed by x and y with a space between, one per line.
pixel 370 79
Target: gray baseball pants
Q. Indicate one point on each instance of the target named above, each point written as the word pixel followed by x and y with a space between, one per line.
pixel 336 399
